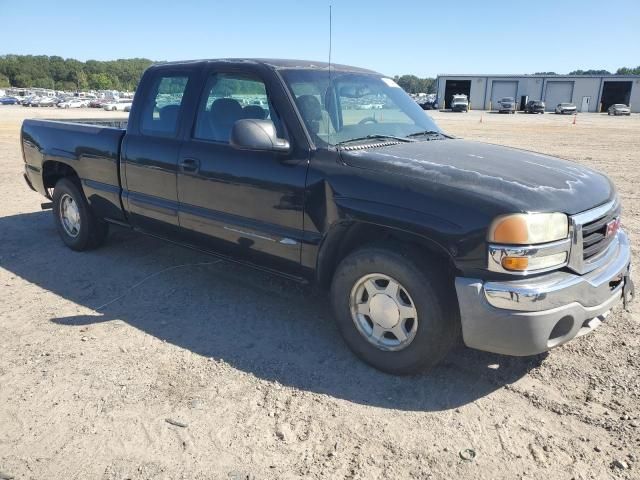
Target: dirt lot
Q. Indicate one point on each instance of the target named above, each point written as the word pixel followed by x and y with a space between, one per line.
pixel 98 350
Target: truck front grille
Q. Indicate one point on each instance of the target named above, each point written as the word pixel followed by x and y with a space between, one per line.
pixel 594 234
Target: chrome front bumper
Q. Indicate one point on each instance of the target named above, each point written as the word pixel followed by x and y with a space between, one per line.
pixel 531 315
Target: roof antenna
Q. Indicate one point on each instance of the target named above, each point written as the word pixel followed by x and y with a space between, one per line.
pixel 330 35
pixel 330 77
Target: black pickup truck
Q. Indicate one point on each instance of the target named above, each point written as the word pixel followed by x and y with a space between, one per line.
pixel 333 175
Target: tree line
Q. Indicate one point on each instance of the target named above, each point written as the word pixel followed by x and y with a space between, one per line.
pixel 413 84
pixel 620 71
pixel 124 74
pixel 69 74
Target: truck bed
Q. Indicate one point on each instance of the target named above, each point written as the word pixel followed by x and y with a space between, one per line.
pixel 90 147
pixel 119 123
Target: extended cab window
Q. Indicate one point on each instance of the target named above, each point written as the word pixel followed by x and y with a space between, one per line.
pixel 162 106
pixel 227 98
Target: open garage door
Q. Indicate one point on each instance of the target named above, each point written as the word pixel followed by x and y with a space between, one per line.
pixel 557 92
pixel 501 89
pixel 615 92
pixel 456 87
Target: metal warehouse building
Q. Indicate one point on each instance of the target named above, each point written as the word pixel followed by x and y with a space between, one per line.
pixel 590 93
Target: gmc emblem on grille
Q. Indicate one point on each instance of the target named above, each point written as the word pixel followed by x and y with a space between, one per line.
pixel 612 227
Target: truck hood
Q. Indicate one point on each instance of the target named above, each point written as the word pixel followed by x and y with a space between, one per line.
pixel 517 180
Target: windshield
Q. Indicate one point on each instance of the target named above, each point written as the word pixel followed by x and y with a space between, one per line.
pixel 351 106
pixel 507 99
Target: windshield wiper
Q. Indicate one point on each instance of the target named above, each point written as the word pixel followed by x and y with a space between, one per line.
pixel 427 132
pixel 376 137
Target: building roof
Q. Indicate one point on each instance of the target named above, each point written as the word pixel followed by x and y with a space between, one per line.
pixel 528 75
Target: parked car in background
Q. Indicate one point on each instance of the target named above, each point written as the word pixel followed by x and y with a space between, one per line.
pixel 534 106
pixel 428 105
pixel 619 109
pixel 99 102
pixel 43 102
pixel 30 101
pixel 507 105
pixel 26 100
pixel 73 103
pixel 459 103
pixel 9 101
pixel 119 105
pixel 568 108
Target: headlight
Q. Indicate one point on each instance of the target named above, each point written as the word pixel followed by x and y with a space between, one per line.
pixel 529 228
pixel 524 243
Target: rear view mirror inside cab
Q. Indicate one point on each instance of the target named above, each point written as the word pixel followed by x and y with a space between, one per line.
pixel 355 91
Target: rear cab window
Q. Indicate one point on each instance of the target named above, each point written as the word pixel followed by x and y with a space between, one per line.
pixel 163 104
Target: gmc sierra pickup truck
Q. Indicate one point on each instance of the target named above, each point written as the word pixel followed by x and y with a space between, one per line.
pixel 282 165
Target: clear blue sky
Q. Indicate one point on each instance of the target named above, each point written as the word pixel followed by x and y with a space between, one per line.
pixel 394 37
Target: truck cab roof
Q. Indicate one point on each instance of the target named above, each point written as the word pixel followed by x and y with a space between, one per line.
pixel 274 63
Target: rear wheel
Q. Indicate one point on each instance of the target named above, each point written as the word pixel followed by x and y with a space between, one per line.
pixel 393 309
pixel 78 227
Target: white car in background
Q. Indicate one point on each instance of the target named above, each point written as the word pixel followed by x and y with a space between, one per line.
pixel 120 105
pixel 73 103
pixel 507 105
pixel 619 109
pixel 566 108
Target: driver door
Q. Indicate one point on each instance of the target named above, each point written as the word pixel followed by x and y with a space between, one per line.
pixel 244 203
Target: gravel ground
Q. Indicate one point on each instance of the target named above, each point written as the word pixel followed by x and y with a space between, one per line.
pixel 142 360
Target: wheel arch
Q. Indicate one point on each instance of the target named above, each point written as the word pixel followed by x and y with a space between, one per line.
pixel 53 170
pixel 346 236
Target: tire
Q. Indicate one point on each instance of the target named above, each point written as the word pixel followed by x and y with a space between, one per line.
pixel 91 231
pixel 436 327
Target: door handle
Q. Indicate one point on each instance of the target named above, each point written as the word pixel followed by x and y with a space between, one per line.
pixel 190 165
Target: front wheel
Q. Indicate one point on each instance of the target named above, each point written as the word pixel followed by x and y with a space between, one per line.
pixel 394 309
pixel 78 227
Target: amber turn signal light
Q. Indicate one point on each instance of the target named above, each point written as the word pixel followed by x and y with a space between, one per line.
pixel 518 264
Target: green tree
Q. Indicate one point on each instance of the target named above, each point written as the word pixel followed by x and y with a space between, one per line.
pixel 4 80
pixel 71 74
pixel 99 81
pixel 628 71
pixel 65 85
pixel 81 80
pixel 414 84
pixel 590 72
pixel 44 82
pixel 22 80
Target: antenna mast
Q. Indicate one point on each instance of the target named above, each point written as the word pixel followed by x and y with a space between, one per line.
pixel 330 37
pixel 330 89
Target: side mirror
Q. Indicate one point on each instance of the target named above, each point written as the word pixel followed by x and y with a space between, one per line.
pixel 253 134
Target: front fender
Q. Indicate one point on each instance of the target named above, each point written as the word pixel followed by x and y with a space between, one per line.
pixel 360 221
